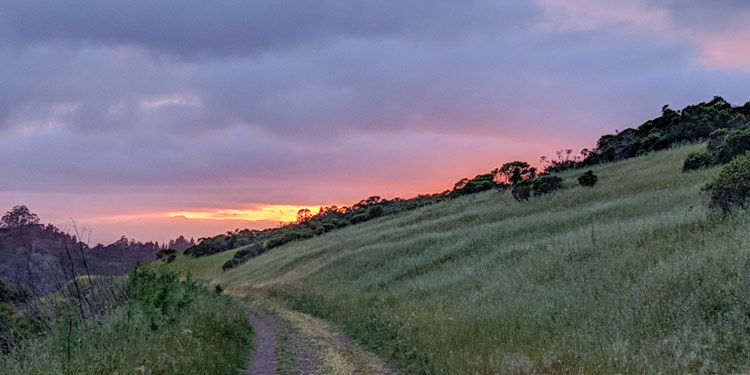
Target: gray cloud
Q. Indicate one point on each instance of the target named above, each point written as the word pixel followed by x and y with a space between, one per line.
pixel 242 102
pixel 234 27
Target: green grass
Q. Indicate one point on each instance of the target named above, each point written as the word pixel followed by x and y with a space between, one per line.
pixel 165 326
pixel 630 276
pixel 203 268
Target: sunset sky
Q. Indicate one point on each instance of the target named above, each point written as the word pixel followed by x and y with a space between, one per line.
pixel 153 118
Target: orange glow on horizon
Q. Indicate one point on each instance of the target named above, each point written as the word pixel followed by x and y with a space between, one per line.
pixel 281 213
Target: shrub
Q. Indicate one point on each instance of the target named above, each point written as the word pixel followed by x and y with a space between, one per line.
pixel 522 190
pixel 14 294
pixel 242 253
pixel 376 211
pixel 731 188
pixel 736 143
pixel 698 160
pixel 546 185
pixel 716 139
pixel 588 179
pixel 234 262
pixel 359 218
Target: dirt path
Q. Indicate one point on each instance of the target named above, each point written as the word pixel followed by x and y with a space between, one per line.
pixel 288 342
pixel 264 361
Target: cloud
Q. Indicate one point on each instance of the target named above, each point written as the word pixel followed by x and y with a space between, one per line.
pixel 148 107
pixel 719 28
pixel 197 28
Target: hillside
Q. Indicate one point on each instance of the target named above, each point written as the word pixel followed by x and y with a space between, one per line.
pixel 632 275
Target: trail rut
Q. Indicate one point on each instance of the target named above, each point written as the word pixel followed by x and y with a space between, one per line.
pixel 288 342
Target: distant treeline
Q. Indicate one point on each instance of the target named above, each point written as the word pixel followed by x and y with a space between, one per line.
pixel 43 257
pixel 716 121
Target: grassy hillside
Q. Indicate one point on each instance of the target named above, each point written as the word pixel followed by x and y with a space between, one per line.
pixel 632 275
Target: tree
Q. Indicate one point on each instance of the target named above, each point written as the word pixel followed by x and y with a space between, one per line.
pixel 180 244
pixel 303 215
pixel 17 217
pixel 515 172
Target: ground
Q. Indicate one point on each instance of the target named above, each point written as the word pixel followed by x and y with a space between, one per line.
pixel 289 342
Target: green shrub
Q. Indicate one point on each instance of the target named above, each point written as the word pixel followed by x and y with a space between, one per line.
pixel 588 179
pixel 736 143
pixel 698 160
pixel 731 188
pixel 522 190
pixel 545 185
pixel 234 262
pixel 716 139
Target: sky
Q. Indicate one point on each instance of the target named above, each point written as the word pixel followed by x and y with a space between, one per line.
pixel 154 118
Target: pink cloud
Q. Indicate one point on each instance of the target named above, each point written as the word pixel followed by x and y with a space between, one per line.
pixel 727 50
pixel 587 15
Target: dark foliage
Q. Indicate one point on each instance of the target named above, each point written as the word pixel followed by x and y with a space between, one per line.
pixel 536 187
pixel 698 160
pixel 735 143
pixel 515 172
pixel 544 185
pixel 14 294
pixel 588 179
pixel 180 244
pixel 18 217
pixel 167 255
pixel 711 121
pixel 15 323
pixel 522 190
pixel 731 188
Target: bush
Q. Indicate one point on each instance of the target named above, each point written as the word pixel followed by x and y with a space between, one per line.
pixel 242 253
pixel 545 185
pixel 234 262
pixel 522 190
pixel 376 211
pixel 167 255
pixel 716 139
pixel 360 218
pixel 736 143
pixel 731 188
pixel 698 160
pixel 14 294
pixel 588 179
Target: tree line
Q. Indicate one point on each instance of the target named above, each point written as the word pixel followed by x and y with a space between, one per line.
pixel 34 254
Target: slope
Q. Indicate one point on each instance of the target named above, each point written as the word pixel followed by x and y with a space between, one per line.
pixel 632 276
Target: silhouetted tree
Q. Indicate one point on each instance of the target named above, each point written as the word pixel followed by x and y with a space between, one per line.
pixel 303 215
pixel 17 217
pixel 515 172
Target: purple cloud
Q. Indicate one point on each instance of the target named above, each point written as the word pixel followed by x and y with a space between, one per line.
pixel 178 105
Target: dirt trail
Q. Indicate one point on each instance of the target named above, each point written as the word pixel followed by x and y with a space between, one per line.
pixel 288 342
pixel 264 361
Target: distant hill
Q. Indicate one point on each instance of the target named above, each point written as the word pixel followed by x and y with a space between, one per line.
pixel 43 257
